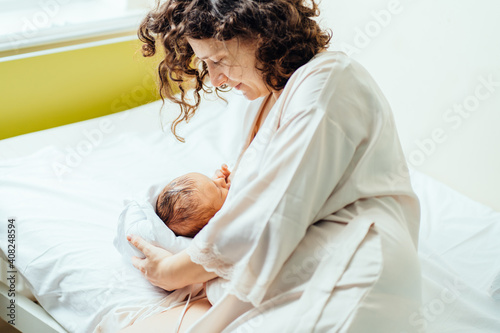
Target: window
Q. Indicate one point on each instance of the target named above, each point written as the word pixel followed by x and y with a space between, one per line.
pixel 30 23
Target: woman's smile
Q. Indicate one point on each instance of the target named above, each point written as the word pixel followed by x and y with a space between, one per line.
pixel 239 65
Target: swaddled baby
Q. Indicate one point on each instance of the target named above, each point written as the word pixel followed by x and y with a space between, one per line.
pixel 188 202
pixel 185 206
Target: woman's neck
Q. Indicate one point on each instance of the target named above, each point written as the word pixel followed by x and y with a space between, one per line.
pixel 265 108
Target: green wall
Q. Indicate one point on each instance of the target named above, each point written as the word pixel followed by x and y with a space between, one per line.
pixel 40 92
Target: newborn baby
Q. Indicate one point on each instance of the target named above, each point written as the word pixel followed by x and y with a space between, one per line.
pixel 188 202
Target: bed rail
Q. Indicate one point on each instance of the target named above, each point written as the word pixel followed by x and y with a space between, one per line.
pixel 28 316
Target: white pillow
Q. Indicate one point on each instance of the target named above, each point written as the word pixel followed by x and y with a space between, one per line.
pixel 139 218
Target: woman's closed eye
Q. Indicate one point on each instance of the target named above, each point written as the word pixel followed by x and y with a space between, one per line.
pixel 218 62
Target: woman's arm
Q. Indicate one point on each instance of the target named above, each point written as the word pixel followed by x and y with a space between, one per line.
pixel 165 270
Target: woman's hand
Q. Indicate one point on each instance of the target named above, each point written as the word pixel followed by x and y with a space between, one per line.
pixel 165 270
pixel 155 266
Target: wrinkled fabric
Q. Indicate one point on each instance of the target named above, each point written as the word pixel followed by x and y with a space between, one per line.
pixel 139 218
pixel 327 153
pixel 66 222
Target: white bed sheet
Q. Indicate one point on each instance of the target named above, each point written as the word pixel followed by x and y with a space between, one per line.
pixel 67 220
pixel 459 251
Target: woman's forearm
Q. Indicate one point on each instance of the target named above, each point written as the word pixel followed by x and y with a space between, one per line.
pixel 179 271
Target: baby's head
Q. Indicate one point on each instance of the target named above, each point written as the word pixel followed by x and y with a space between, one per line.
pixel 188 202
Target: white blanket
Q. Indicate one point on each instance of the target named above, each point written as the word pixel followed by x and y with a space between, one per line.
pixel 139 218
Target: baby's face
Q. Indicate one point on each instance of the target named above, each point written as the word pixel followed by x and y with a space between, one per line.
pixel 213 192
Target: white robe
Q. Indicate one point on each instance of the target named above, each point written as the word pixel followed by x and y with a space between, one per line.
pixel 319 230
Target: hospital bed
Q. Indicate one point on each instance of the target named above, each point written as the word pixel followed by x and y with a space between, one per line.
pixel 64 187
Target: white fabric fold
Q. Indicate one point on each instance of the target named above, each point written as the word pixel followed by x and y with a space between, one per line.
pixel 315 296
pixel 329 141
pixel 139 218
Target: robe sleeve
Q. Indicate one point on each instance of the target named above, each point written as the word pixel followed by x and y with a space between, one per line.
pixel 297 169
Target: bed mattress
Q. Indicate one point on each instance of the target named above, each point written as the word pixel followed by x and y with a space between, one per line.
pixel 65 188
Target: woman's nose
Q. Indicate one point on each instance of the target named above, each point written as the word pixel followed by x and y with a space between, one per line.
pixel 217 77
pixel 218 80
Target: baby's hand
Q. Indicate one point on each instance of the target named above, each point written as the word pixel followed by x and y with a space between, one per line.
pixel 223 172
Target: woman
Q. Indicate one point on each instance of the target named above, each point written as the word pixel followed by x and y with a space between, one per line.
pixel 319 230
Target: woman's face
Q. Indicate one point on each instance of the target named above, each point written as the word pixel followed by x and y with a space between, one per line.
pixel 233 63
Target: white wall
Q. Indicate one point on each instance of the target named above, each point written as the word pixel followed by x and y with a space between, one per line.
pixel 432 58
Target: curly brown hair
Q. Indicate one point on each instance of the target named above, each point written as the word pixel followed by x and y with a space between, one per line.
pixel 286 34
